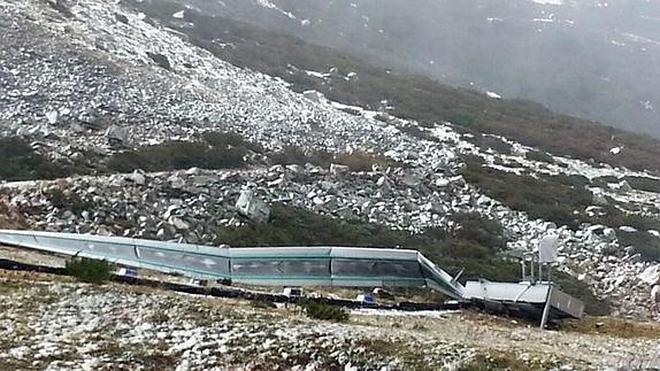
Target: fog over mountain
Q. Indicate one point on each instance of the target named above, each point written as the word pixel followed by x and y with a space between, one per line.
pixel 597 60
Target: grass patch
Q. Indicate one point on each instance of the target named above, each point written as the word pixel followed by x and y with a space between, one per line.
pixel 21 162
pixel 356 161
pixel 499 361
pixel 295 155
pixel 325 312
pixel 9 287
pixel 643 183
pixel 212 151
pixel 262 304
pixel 614 327
pixel 90 270
pixel 543 198
pixel 645 244
pixel 486 142
pixel 363 161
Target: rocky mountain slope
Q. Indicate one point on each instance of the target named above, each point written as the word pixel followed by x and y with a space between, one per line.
pixel 592 59
pixel 89 87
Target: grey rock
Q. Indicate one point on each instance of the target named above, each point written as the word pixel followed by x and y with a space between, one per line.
pixel 252 207
pixel 339 170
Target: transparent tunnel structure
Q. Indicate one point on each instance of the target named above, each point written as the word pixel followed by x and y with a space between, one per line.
pixel 262 266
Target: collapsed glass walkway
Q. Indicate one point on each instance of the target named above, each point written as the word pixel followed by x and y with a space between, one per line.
pixel 261 266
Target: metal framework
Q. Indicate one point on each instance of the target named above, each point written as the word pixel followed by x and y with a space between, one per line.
pixel 304 266
pixel 264 266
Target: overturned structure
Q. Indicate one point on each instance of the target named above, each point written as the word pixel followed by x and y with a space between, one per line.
pixel 297 266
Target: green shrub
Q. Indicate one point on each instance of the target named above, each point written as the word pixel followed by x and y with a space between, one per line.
pixel 161 60
pixel 90 270
pixel 66 200
pixel 474 247
pixel 362 161
pixel 177 155
pixel 545 198
pixel 645 244
pixel 21 162
pixel 416 132
pixel 262 304
pixel 603 181
pixel 461 119
pixel 296 155
pixel 592 304
pixel 487 141
pixel 573 180
pixel 643 183
pixel 325 312
pixel 356 161
pixel 615 218
pixel 228 140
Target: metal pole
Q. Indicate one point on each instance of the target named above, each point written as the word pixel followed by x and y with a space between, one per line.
pixel 546 309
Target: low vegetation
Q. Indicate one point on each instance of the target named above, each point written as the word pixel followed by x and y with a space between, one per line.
pixel 212 151
pixel 356 161
pixel 561 199
pixel 539 156
pixel 363 161
pixel 296 155
pixel 90 270
pixel 500 361
pixel 325 312
pixel 643 183
pixel 21 162
pixel 617 327
pixel 474 247
pixel 486 142
pixel 543 198
pixel 645 244
pixel 67 200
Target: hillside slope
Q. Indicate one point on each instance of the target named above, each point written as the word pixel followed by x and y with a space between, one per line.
pixel 308 66
pixel 592 59
pixel 155 137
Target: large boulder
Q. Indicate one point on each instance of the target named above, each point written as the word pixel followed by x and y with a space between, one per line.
pixel 651 275
pixel 252 207
pixel 338 170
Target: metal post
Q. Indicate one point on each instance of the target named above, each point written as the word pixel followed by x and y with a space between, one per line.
pixel 546 309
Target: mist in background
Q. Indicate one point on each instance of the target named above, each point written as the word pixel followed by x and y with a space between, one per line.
pixel 596 60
